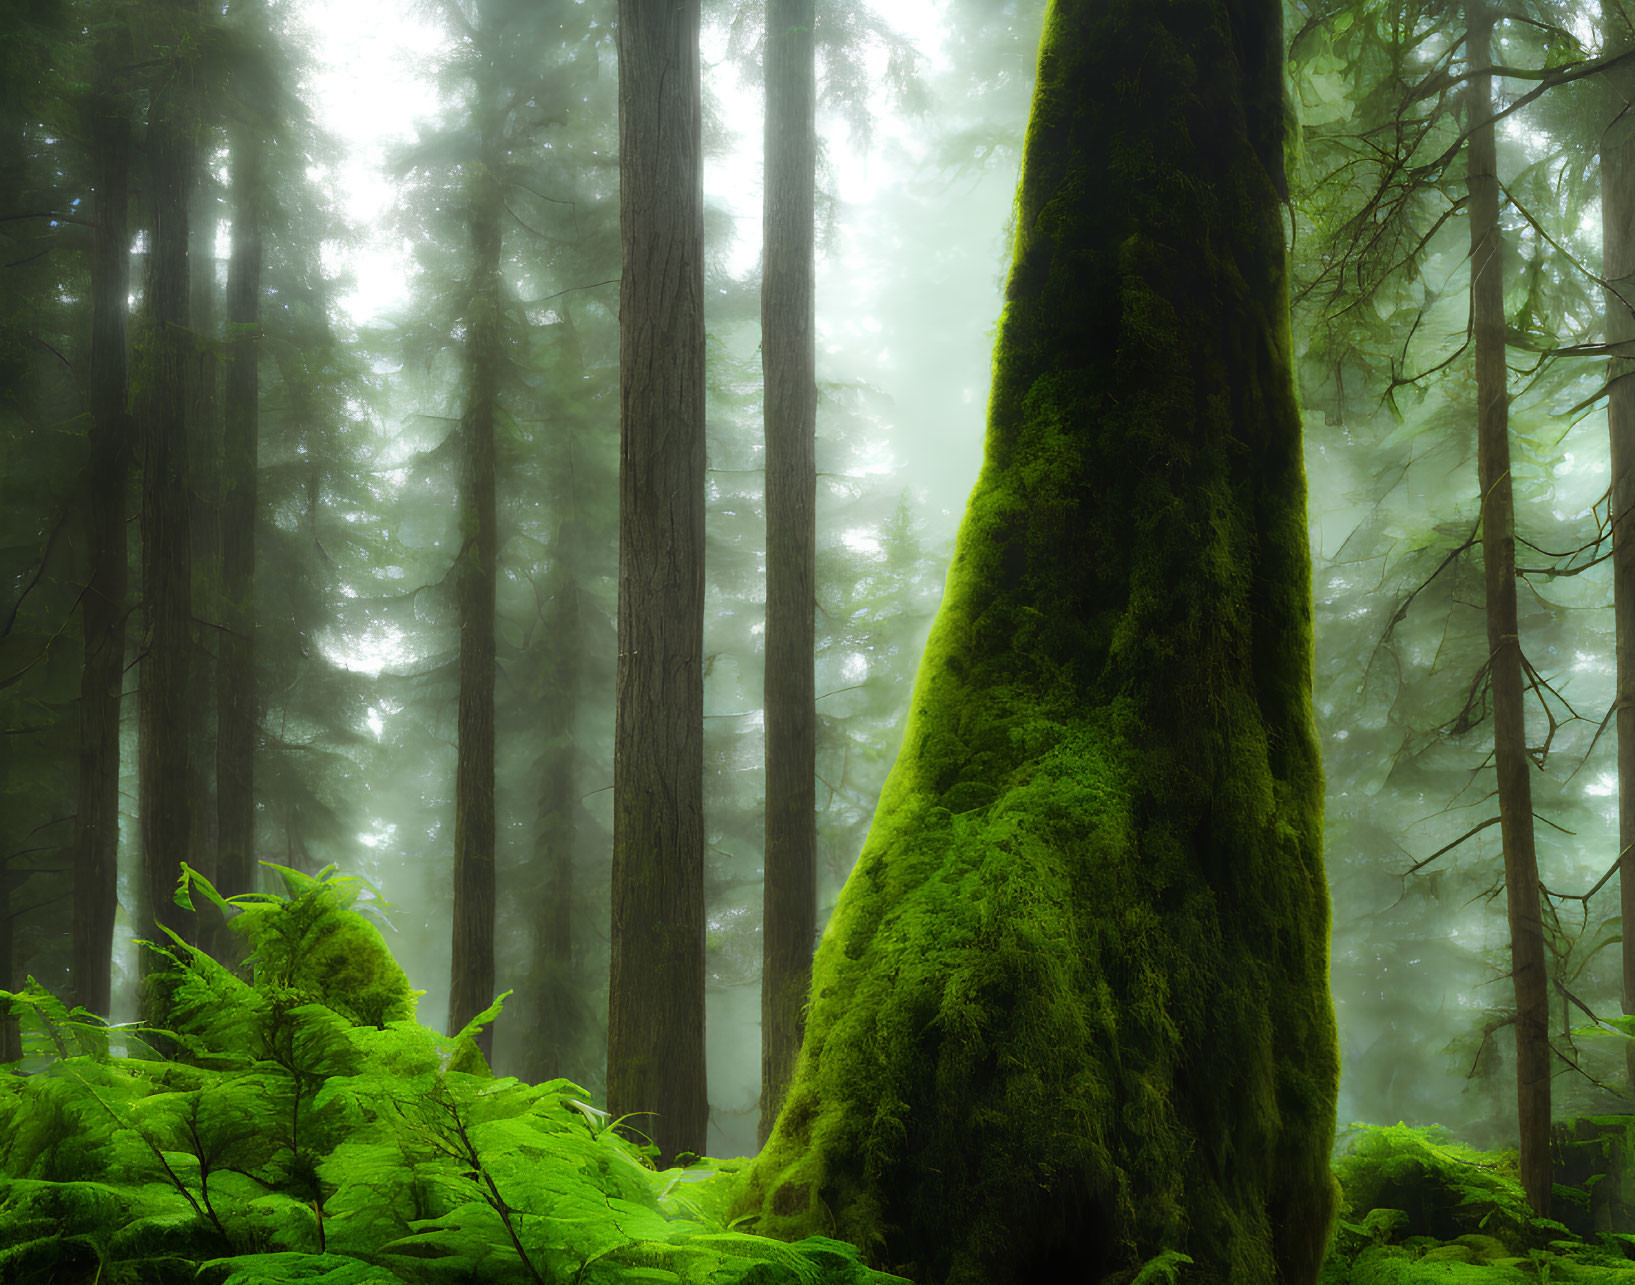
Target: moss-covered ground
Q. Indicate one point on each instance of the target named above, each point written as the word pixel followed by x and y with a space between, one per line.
pixel 1420 1209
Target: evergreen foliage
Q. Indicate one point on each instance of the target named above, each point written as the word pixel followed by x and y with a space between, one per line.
pixel 302 1127
pixel 556 446
pixel 356 537
pixel 1381 278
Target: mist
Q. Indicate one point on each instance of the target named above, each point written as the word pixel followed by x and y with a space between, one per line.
pixel 313 575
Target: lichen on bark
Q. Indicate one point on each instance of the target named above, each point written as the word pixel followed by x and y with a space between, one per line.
pixel 1072 1009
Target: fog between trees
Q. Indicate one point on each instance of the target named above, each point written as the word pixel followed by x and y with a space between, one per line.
pixel 350 497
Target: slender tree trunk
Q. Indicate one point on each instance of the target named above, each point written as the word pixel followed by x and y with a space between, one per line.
pixel 164 753
pixel 1504 645
pixel 204 445
pixel 655 1038
pixel 788 364
pixel 471 983
pixel 96 833
pixel 237 706
pixel 559 1036
pixel 1618 270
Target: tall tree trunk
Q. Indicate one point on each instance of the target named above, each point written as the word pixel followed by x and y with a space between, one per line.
pixel 204 445
pixel 165 772
pixel 238 708
pixel 655 1037
pixel 788 364
pixel 1618 270
pixel 96 831
pixel 559 1035
pixel 471 982
pixel 1504 646
pixel 1072 1009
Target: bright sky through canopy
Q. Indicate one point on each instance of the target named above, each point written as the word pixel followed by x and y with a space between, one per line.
pixel 376 61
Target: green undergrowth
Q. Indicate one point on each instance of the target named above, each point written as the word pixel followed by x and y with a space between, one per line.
pixel 1422 1209
pixel 303 1127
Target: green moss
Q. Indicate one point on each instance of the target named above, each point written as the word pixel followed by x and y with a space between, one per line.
pixel 1072 1009
pixel 1436 1187
pixel 1422 1208
pixel 1449 1265
pixel 315 947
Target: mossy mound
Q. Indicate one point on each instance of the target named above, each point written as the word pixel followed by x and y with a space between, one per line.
pixel 1071 1014
pixel 1421 1208
pixel 1439 1187
pixel 313 947
pixel 298 1128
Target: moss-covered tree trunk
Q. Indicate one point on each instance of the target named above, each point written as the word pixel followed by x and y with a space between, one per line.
pixel 96 829
pixel 1515 787
pixel 788 362
pixel 1618 271
pixel 1072 1010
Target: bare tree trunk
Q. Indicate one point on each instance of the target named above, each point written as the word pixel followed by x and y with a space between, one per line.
pixel 238 709
pixel 788 363
pixel 96 832
pixel 655 1039
pixel 1504 645
pixel 559 1035
pixel 204 445
pixel 164 759
pixel 471 982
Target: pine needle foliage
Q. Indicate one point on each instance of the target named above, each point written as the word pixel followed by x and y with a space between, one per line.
pixel 301 1126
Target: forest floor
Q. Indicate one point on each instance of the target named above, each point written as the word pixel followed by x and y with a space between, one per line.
pixel 302 1127
pixel 1420 1207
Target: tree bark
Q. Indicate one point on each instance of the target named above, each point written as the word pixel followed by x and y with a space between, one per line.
pixel 1072 1009
pixel 788 364
pixel 559 1034
pixel 1504 645
pixel 655 1051
pixel 96 831
pixel 238 709
pixel 471 983
pixel 1618 271
pixel 11 1034
pixel 204 446
pixel 164 766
